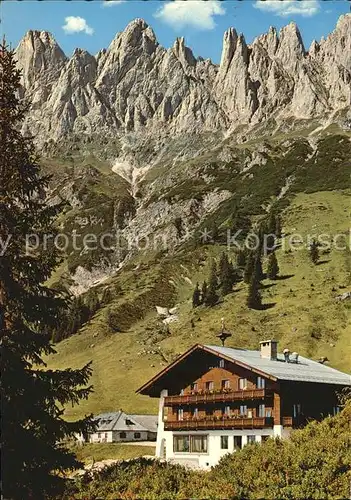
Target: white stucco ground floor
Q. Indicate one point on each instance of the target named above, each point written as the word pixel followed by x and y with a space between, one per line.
pixel 204 449
pixel 121 436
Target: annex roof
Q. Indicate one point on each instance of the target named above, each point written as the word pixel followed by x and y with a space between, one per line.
pixel 120 421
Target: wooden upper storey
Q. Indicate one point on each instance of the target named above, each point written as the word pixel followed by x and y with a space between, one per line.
pixel 201 371
pixel 203 386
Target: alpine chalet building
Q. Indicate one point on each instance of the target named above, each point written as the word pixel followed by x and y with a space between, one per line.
pixel 214 400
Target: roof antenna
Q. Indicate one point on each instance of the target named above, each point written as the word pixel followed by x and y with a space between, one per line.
pixel 223 334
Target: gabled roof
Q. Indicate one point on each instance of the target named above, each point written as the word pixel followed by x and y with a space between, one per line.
pixel 119 421
pixel 149 422
pixel 305 370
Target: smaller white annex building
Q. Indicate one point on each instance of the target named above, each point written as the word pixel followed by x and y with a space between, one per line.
pixel 120 427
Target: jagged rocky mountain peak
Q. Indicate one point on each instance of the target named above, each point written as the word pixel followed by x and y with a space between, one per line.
pixel 137 85
pixel 183 53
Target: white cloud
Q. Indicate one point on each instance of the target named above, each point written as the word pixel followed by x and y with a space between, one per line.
pixel 285 8
pixel 111 3
pixel 195 13
pixel 76 24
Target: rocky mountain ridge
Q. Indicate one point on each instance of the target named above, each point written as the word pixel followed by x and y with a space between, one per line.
pixel 136 85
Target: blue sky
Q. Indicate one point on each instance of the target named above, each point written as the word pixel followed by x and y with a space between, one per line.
pixel 92 25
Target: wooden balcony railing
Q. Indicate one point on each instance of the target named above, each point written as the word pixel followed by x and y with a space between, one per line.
pixel 216 397
pixel 225 423
pixel 294 421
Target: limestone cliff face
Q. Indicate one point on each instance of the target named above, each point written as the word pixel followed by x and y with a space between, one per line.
pixel 137 85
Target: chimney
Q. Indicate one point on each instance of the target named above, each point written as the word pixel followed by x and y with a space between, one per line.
pixel 269 349
pixel 286 353
pixel 295 357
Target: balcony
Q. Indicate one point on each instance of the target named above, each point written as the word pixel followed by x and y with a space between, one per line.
pixel 294 421
pixel 220 397
pixel 222 423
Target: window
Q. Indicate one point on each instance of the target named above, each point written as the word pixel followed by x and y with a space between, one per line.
pixel 209 386
pixel 224 442
pixel 190 444
pixel 198 444
pixel 336 410
pixel 261 383
pixel 268 413
pixel 180 413
pixel 195 412
pixel 251 439
pixel 181 443
pixel 261 411
pixel 296 410
pixel 122 435
pixel 264 438
pixel 193 387
pixel 226 410
pixel 209 412
pixel 221 363
pixel 243 410
pixel 238 442
pixel 242 383
pixel 225 384
pixel 99 435
pixel 105 435
pixel 129 422
pixel 137 435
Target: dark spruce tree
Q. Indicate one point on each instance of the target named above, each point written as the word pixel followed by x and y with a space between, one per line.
pixel 211 297
pixel 249 267
pixel 106 296
pixel 258 271
pixel 241 258
pixel 226 274
pixel 314 251
pixel 272 222
pixel 93 302
pixel 272 267
pixel 32 397
pixel 278 227
pixel 254 296
pixel 203 291
pixel 196 296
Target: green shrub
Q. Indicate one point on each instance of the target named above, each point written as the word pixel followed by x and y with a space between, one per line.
pixel 315 463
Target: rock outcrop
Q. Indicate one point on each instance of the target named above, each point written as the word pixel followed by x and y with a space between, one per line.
pixel 137 85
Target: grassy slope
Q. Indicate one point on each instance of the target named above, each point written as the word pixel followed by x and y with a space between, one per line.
pixel 124 361
pixel 114 451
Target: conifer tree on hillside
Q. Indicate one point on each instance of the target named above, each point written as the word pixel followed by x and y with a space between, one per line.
pixel 241 258
pixel 93 302
pixel 258 271
pixel 249 267
pixel 278 227
pixel 227 275
pixel 196 296
pixel 106 296
pixel 314 251
pixel 32 398
pixel 254 296
pixel 272 222
pixel 211 297
pixel 203 291
pixel 273 267
pixel 78 313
